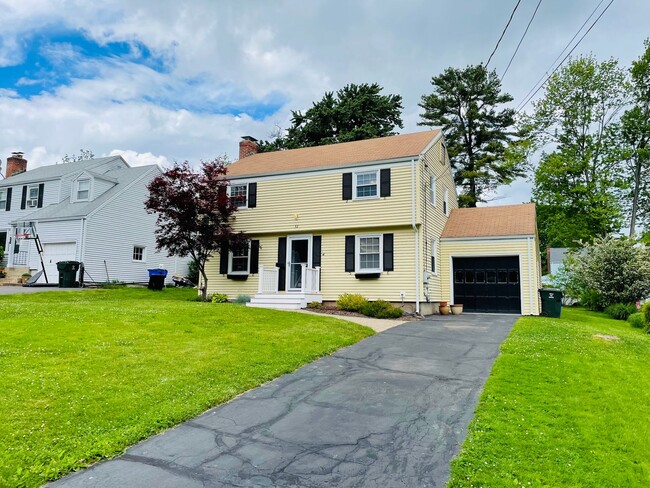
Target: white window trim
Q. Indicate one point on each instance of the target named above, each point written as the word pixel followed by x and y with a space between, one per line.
pixel 357 254
pixel 248 264
pixel 144 254
pixel 29 196
pixel 434 190
pixel 239 184
pixel 75 190
pixel 446 202
pixel 354 184
pixel 3 201
pixel 434 253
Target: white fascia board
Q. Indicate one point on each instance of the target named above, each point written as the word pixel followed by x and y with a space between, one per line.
pixel 432 143
pixel 343 168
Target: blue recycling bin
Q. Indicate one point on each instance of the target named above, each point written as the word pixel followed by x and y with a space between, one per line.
pixel 157 278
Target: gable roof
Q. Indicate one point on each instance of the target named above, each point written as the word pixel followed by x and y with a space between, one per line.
pixel 345 153
pixel 53 171
pixel 500 221
pixel 66 210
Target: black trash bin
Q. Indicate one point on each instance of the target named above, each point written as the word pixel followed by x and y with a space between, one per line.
pixel 551 302
pixel 67 273
pixel 157 278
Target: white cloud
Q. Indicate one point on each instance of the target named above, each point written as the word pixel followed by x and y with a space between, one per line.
pixel 140 159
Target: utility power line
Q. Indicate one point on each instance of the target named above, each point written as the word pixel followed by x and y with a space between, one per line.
pixel 533 91
pixel 503 33
pixel 522 39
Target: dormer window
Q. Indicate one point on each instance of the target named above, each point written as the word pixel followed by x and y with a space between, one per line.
pixel 82 192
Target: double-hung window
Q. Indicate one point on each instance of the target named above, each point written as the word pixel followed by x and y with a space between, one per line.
pixel 433 190
pixel 366 184
pixel 32 196
pixel 138 253
pixel 83 190
pixel 445 203
pixel 369 253
pixel 239 261
pixel 3 199
pixel 238 195
pixel 434 256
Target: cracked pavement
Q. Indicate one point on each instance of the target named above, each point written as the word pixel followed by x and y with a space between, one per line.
pixel 390 411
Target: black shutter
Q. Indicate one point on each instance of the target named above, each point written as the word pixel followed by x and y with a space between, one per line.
pixel 41 190
pixel 347 186
pixel 252 195
pixel 384 187
pixel 8 206
pixel 23 201
pixel 282 263
pixel 388 252
pixel 223 260
pixel 255 257
pixel 315 251
pixel 349 253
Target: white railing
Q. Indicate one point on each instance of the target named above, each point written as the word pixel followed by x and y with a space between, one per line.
pixel 268 279
pixel 310 279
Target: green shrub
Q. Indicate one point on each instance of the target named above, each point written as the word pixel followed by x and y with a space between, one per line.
pixel 645 310
pixel 242 299
pixel 351 302
pixel 219 298
pixel 591 300
pixel 193 271
pixel 637 320
pixel 381 309
pixel 621 311
pixel 315 305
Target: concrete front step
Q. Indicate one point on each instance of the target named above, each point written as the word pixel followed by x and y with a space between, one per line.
pixel 13 275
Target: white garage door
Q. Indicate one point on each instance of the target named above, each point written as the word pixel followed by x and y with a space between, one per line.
pixel 54 252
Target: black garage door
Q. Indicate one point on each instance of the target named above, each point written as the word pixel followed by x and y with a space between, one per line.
pixel 488 284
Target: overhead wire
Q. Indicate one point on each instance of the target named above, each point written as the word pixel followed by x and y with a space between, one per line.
pixel 522 39
pixel 512 14
pixel 533 91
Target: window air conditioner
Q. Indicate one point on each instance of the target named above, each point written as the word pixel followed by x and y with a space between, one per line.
pixel 33 202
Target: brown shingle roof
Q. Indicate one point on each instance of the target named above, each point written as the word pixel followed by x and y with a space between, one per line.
pixel 379 149
pixel 505 220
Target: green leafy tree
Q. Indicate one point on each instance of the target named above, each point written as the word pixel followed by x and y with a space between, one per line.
pixel 479 135
pixel 575 184
pixel 353 113
pixel 615 270
pixel 635 139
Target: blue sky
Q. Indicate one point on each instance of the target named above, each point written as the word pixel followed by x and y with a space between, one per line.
pixel 167 80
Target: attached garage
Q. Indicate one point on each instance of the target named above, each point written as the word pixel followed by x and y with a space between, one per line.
pixel 53 252
pixel 491 255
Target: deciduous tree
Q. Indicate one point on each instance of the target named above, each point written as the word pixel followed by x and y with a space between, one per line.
pixel 194 213
pixel 354 113
pixel 466 104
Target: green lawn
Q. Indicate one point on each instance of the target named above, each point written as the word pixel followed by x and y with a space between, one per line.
pixel 562 408
pixel 85 374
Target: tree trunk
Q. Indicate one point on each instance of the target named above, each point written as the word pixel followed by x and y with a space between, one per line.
pixel 635 194
pixel 204 283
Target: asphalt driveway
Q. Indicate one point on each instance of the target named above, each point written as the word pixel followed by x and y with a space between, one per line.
pixel 390 411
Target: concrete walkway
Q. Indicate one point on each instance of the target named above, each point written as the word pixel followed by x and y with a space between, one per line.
pixel 389 411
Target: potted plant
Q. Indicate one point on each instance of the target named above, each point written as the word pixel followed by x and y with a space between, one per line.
pixel 457 309
pixel 24 277
pixel 2 272
pixel 444 308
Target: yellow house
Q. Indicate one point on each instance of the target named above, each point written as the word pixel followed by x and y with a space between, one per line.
pixel 363 217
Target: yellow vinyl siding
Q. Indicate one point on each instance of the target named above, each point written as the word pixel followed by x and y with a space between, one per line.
pixel 433 163
pixel 529 275
pixel 314 203
pixel 334 279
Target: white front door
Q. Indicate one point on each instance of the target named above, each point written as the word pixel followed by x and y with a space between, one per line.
pixel 298 253
pixel 54 252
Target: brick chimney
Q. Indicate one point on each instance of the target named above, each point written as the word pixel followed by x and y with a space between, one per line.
pixel 248 147
pixel 15 164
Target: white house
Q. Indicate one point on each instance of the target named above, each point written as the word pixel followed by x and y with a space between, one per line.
pixel 90 211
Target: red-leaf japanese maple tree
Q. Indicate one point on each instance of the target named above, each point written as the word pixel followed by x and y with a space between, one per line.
pixel 194 213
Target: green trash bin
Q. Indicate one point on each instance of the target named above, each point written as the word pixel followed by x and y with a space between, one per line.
pixel 67 273
pixel 551 302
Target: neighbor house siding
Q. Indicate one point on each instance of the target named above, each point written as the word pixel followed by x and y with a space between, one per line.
pixel 521 247
pixel 334 279
pixel 113 230
pixel 306 203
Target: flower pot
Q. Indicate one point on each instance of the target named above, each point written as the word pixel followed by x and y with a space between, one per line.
pixel 444 310
pixel 457 309
pixel 443 304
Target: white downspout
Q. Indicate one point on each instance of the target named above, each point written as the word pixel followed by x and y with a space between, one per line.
pixel 530 278
pixel 417 240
